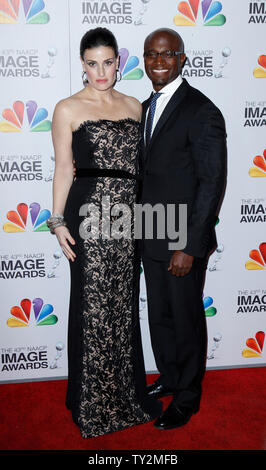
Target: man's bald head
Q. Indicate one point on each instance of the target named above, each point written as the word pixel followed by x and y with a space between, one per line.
pixel 171 33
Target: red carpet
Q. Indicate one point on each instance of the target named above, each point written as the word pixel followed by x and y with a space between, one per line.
pixel 232 417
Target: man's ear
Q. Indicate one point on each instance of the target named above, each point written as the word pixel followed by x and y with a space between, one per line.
pixel 183 59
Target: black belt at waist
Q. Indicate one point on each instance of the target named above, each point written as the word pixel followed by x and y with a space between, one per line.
pixel 100 172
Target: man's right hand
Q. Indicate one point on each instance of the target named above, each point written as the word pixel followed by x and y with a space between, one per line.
pixel 180 263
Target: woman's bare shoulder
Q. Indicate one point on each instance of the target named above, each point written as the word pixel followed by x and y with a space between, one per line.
pixel 68 107
pixel 67 104
pixel 132 104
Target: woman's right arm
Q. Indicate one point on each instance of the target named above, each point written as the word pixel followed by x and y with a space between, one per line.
pixel 63 173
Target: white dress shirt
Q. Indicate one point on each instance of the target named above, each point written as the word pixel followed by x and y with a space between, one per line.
pixel 167 92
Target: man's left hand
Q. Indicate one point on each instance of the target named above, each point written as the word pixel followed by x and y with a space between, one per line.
pixel 180 263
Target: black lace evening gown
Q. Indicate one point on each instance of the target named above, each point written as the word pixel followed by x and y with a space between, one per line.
pixel 106 376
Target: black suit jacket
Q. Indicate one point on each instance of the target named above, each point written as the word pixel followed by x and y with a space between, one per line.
pixel 185 164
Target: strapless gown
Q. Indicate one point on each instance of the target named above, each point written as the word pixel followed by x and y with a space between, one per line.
pixel 106 389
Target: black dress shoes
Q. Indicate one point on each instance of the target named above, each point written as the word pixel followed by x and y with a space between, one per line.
pixel 174 416
pixel 158 391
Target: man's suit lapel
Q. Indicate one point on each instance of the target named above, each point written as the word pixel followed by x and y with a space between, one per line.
pixel 170 107
pixel 145 106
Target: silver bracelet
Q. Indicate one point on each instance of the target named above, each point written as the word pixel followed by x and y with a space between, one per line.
pixel 56 216
pixel 55 220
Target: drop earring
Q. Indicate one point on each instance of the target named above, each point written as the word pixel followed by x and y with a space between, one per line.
pixel 118 75
pixel 84 78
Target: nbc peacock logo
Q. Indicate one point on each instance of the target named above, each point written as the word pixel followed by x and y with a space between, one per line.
pixel 210 310
pixel 259 170
pixel 128 66
pixel 14 120
pixel 254 345
pixel 260 72
pixel 18 221
pixel 23 11
pixel 33 312
pixel 257 258
pixel 189 13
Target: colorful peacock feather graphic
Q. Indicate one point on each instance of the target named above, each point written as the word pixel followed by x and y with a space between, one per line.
pixel 14 117
pixel 18 219
pixel 260 72
pixel 32 11
pixel 255 345
pixel 42 313
pixel 257 258
pixel 189 12
pixel 259 170
pixel 210 311
pixel 128 66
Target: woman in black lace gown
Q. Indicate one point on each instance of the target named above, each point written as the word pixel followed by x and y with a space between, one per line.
pixel 99 128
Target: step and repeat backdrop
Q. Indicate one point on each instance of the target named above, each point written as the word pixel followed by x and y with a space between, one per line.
pixel 40 65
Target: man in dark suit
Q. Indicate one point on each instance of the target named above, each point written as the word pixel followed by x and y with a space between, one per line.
pixel 184 158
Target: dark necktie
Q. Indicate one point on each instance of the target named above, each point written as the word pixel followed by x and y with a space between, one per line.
pixel 151 116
